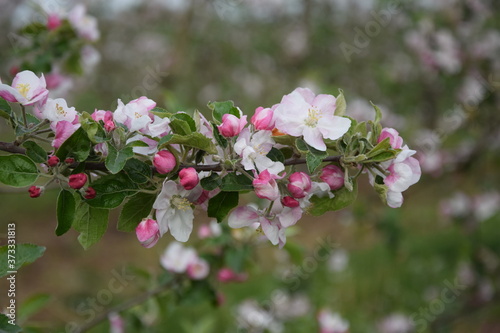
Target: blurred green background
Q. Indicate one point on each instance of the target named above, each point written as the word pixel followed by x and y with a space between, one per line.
pixel 434 69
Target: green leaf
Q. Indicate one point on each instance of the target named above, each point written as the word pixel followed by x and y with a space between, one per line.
pixel 35 152
pixel 378 114
pixel 211 182
pixel 116 159
pixel 95 131
pixel 91 223
pixel 194 140
pixel 384 156
pixel 137 170
pixel 381 190
pixel 180 127
pixel 235 258
pixel 32 305
pixel 6 326
pixel 111 190
pixel 17 170
pixel 136 143
pixel 66 207
pixel 276 155
pixel 314 161
pixel 236 183
pixel 160 112
pixel 220 205
pixel 24 254
pixel 381 147
pixel 286 140
pixel 343 198
pixel 76 146
pixel 187 118
pixel 341 104
pixel 221 141
pixel 5 110
pixel 137 207
pixel 221 108
pixel 301 146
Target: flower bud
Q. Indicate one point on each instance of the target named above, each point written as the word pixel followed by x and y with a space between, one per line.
pixel 263 119
pixel 265 186
pixel 231 125
pixel 53 21
pixel 198 269
pixel 69 160
pixel 299 185
pixel 228 275
pixel 77 181
pixel 106 117
pixel 53 161
pixel 288 201
pixel 148 232
pixel 90 193
pixel 164 161
pixel 36 191
pixel 189 178
pixel 395 140
pixel 333 176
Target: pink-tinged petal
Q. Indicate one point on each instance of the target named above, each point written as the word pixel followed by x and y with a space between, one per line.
pixel 148 232
pixel 10 94
pixel 289 216
pixel 271 230
pixel 314 138
pixel 198 269
pixel 333 128
pixel 306 93
pixel 394 199
pixel 325 103
pixel 243 216
pixel 181 224
pixel 415 168
pixel 64 129
pixel 162 216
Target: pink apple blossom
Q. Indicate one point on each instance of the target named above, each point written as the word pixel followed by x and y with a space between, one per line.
pixel 303 113
pixel 36 191
pixel 150 149
pixel 164 161
pixel 265 185
pixel 395 140
pixel 148 232
pixel 90 193
pixel 26 89
pixel 299 184
pixel 53 161
pixel 56 110
pixel 106 117
pixel 226 274
pixel 231 125
pixel 177 258
pixel 135 114
pixel 63 129
pixel 53 21
pixel 77 181
pixel 333 176
pixel 188 178
pixel 85 25
pixel 263 119
pixel 288 201
pixel 198 269
pixel 332 322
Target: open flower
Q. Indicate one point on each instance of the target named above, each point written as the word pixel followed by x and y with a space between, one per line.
pixel 85 25
pixel 265 185
pixel 56 110
pixel 135 114
pixel 303 113
pixel 26 89
pixel 174 211
pixel 394 139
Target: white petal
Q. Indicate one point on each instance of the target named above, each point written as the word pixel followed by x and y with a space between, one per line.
pixel 181 224
pixel 243 217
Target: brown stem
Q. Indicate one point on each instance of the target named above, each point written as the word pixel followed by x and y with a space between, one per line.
pixel 12 148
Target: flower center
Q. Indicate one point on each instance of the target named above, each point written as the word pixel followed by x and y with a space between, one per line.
pixel 60 110
pixel 180 203
pixel 137 115
pixel 23 89
pixel 313 116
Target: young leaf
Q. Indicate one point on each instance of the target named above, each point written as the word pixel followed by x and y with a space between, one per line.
pixel 137 207
pixel 220 205
pixel 276 155
pixel 32 305
pixel 6 326
pixel 35 152
pixel 66 207
pixel 116 159
pixel 211 182
pixel 194 140
pixel 221 108
pixel 25 254
pixel 180 127
pixel 17 170
pixel 314 161
pixel 341 104
pixel 343 198
pixel 77 146
pixel 111 190
pixel 187 118
pixel 91 223
pixel 378 114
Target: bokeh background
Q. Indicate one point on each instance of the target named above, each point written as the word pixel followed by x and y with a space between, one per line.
pixel 434 69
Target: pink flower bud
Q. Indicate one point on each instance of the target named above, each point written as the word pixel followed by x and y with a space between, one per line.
pixel 189 178
pixel 333 176
pixel 164 161
pixel 395 140
pixel 106 117
pixel 90 193
pixel 36 191
pixel 53 161
pixel 69 160
pixel 288 201
pixel 53 21
pixel 228 275
pixel 263 119
pixel 14 70
pixel 77 181
pixel 231 125
pixel 265 186
pixel 198 269
pixel 148 232
pixel 299 185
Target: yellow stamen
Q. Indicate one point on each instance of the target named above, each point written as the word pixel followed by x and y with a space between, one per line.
pixel 60 110
pixel 313 117
pixel 23 89
pixel 180 203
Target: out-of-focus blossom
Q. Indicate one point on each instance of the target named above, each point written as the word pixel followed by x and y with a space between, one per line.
pixel 198 269
pixel 27 89
pixel 332 322
pixel 85 25
pixel 395 323
pixel 253 317
pixel 213 229
pixel 228 275
pixel 338 261
pixel 177 258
